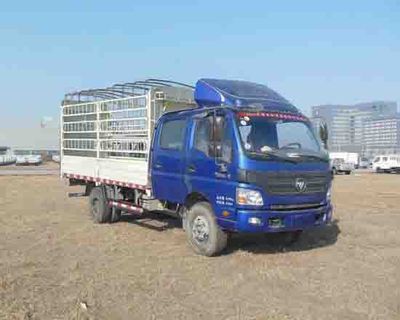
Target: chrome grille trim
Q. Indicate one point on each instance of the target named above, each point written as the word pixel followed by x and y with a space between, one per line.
pixel 284 182
pixel 300 206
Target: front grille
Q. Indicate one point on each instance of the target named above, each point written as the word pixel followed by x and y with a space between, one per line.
pixel 300 206
pixel 284 183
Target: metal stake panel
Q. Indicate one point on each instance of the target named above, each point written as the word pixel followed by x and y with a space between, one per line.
pixel 115 128
pixel 106 133
pixel 118 128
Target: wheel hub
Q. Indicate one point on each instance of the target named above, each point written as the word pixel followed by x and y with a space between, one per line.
pixel 200 229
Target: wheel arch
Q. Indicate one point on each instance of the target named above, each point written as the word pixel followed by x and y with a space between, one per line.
pixel 195 197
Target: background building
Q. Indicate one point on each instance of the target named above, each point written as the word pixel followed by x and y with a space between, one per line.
pixel 346 123
pixel 381 135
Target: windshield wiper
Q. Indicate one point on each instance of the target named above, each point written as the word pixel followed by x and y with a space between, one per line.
pixel 275 155
pixel 309 156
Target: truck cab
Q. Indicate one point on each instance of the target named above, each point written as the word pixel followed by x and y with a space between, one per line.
pixel 246 160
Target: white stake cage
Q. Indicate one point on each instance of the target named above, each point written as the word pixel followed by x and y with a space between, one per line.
pixel 106 133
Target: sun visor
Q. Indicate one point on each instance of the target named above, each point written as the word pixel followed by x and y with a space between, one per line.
pixel 206 94
pixel 237 93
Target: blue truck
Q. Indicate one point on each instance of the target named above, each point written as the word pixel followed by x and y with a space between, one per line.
pixel 225 156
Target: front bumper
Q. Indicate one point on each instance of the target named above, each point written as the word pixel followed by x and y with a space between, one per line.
pixel 264 221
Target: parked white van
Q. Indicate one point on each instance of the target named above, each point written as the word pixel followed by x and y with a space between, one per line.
pixel 386 163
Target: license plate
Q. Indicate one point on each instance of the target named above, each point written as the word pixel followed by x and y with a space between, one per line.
pixel 275 223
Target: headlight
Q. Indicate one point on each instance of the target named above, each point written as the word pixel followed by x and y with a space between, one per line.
pixel 248 197
pixel 329 194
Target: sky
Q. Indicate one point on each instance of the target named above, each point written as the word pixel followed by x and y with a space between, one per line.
pixel 312 52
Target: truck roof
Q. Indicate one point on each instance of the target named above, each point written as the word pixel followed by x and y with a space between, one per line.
pixel 208 93
pixel 122 90
pixel 239 94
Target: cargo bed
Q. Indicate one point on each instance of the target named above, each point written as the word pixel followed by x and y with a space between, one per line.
pixel 106 133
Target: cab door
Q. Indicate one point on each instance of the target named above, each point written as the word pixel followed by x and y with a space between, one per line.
pixel 168 160
pixel 209 164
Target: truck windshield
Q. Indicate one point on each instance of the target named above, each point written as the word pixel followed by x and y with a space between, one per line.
pixel 263 135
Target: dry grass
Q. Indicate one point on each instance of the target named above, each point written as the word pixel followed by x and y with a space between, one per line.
pixel 56 264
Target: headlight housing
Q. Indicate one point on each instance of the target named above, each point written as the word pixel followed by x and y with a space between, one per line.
pixel 329 194
pixel 248 197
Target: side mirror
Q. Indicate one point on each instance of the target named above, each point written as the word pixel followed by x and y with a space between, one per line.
pixel 218 150
pixel 224 152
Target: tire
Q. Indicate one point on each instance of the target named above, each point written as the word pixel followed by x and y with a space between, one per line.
pixel 116 216
pixel 348 172
pixel 334 171
pixel 203 232
pixel 99 209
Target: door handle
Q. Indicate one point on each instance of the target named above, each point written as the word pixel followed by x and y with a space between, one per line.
pixel 222 168
pixel 158 166
pixel 222 171
pixel 191 169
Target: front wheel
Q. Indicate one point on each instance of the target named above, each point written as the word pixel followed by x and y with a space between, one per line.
pixel 203 232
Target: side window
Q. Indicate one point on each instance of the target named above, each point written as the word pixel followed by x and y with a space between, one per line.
pixel 203 136
pixel 223 141
pixel 173 134
pixel 213 139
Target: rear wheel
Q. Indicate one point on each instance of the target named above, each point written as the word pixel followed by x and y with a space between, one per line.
pixel 348 172
pixel 334 171
pixel 116 216
pixel 99 209
pixel 203 232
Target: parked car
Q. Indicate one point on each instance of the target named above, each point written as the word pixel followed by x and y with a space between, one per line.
pixel 56 158
pixel 364 163
pixel 386 163
pixel 28 157
pixel 340 166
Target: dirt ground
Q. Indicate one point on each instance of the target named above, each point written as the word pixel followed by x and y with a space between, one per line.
pixel 56 264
